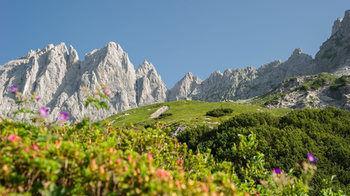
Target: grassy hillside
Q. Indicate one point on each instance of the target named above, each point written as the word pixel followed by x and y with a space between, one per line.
pixel 187 113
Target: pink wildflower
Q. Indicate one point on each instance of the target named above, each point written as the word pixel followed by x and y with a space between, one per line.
pixel 277 170
pixel 311 158
pixel 37 98
pixel 13 138
pixel 13 89
pixel 180 162
pixel 107 91
pixel 149 157
pixel 162 174
pixel 44 111
pixel 63 116
pixel 35 147
pixel 118 161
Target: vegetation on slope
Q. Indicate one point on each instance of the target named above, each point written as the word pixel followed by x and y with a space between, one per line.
pixel 320 80
pixel 340 82
pixel 101 159
pixel 254 152
pixel 299 91
pixel 219 112
pixel 188 113
pixel 284 141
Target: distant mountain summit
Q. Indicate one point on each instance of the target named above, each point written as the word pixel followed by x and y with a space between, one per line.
pixel 246 83
pixel 63 82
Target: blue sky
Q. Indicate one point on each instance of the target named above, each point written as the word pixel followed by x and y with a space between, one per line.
pixel 179 36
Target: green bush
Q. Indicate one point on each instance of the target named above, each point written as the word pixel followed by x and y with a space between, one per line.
pixel 219 112
pixel 317 82
pixel 164 115
pixel 99 159
pixel 284 141
pixel 340 82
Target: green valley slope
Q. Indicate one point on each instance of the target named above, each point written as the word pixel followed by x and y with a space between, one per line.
pixel 186 113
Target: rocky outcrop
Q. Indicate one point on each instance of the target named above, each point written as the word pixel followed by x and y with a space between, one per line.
pixel 320 90
pixel 334 54
pixel 149 86
pixel 159 112
pixel 269 76
pixel 245 83
pixel 185 88
pixel 224 86
pixel 63 82
pixel 333 57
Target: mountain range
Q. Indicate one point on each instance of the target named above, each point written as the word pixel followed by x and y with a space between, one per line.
pixel 63 81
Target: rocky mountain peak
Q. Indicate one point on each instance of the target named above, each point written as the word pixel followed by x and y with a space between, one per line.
pixel 63 81
pixel 149 86
pixel 185 88
pixel 145 68
pixel 49 73
pixel 73 55
pixel 112 46
pixel 336 25
pixel 296 52
pixel 342 25
pixel 334 54
pixel 59 48
pixel 189 77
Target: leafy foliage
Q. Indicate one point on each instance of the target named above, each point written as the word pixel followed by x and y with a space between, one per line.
pixel 318 81
pixel 340 82
pixel 100 159
pixel 218 112
pixel 99 100
pixel 164 115
pixel 284 141
pixel 269 98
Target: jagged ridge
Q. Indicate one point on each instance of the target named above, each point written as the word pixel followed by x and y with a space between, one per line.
pixel 64 82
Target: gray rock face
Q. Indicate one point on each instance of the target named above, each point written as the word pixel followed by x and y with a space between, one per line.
pixel 56 74
pixel 334 57
pixel 290 94
pixel 244 83
pixel 149 86
pixel 336 26
pixel 269 76
pixel 334 54
pixel 223 86
pixel 43 72
pixel 185 88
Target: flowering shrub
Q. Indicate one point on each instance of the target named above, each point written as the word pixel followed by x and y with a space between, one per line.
pixel 99 159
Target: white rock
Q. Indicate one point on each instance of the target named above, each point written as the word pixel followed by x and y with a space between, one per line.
pixel 56 74
pixel 159 112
